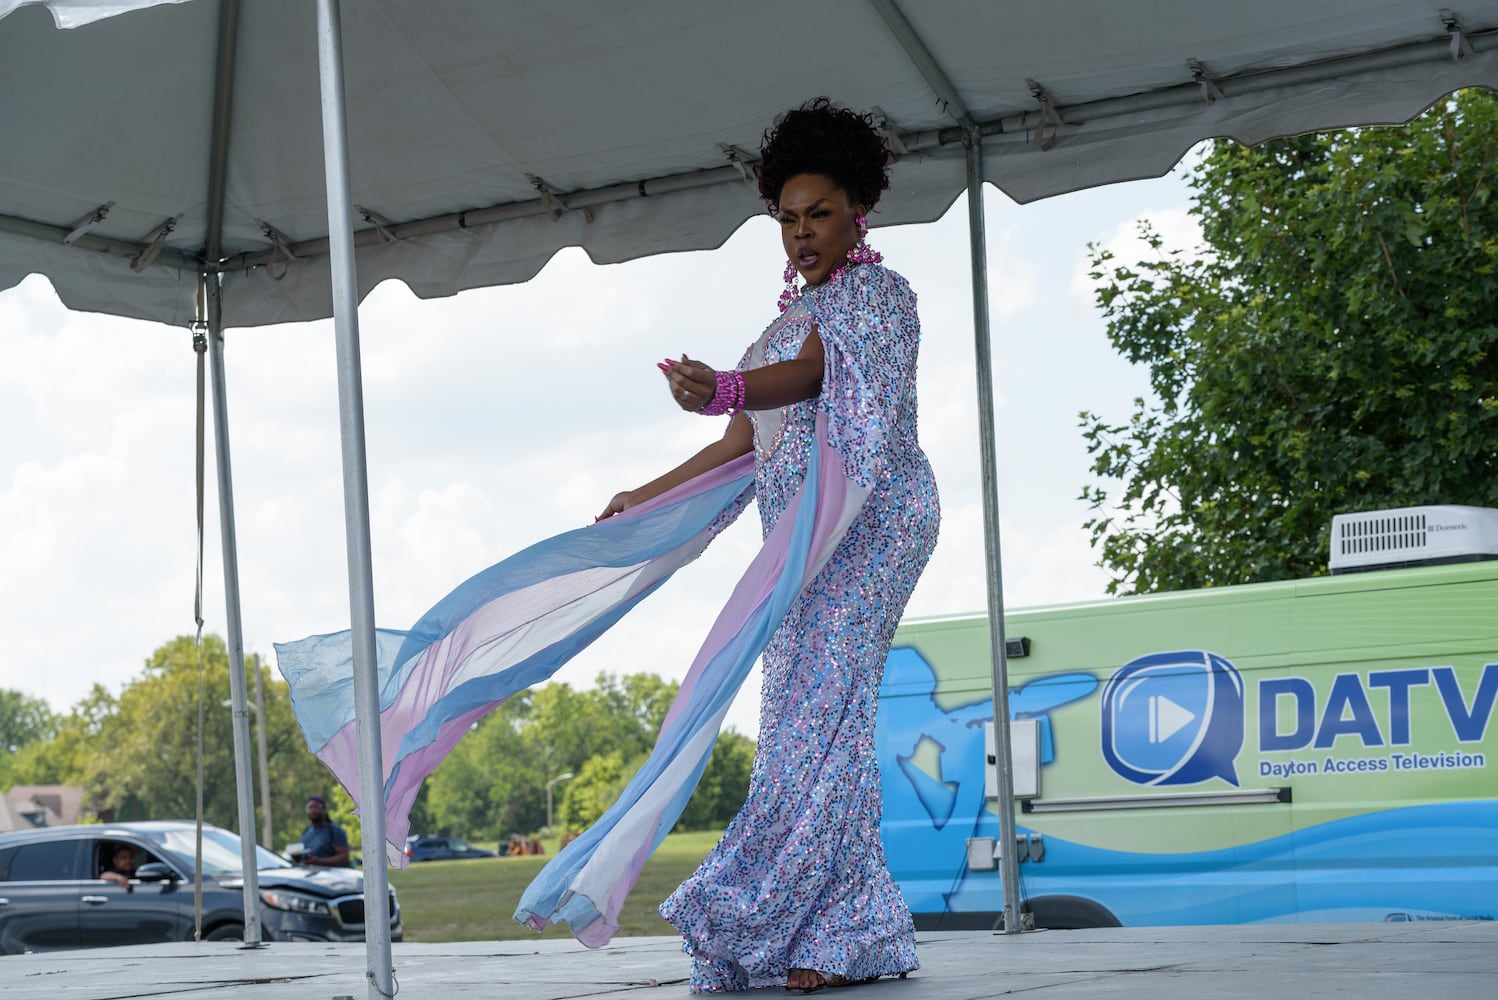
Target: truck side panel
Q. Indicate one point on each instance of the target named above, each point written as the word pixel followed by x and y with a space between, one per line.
pixel 1357 709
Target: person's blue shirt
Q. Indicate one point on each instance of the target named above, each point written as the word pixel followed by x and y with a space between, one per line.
pixel 323 841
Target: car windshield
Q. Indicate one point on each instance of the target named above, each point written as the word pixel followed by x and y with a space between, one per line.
pixel 220 849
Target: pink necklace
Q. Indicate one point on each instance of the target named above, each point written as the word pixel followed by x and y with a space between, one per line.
pixel 862 253
pixel 793 291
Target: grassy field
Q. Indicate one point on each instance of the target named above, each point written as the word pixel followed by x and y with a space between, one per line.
pixel 475 900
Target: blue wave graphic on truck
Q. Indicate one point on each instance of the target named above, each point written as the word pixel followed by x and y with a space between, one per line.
pixel 954 807
pixel 1177 718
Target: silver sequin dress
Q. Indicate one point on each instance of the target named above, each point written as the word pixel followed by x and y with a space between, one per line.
pixel 799 879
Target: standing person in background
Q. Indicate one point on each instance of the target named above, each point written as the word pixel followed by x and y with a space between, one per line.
pixel 798 892
pixel 323 842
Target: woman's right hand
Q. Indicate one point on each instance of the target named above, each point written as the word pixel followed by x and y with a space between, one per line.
pixel 620 503
pixel 692 383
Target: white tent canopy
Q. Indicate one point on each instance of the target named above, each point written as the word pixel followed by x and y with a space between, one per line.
pixel 183 140
pixel 634 118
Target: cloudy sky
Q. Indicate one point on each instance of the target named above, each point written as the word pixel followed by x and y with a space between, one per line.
pixel 502 416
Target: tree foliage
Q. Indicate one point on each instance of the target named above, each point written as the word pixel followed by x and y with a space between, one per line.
pixel 596 787
pixel 719 794
pixel 136 754
pixel 494 782
pixel 724 784
pixel 24 720
pixel 63 759
pixel 1333 349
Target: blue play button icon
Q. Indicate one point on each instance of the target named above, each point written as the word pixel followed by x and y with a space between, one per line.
pixel 1174 718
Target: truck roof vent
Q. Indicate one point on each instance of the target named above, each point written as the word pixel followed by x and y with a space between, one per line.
pixel 1413 536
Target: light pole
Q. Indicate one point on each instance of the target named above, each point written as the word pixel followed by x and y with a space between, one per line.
pixel 553 781
pixel 265 818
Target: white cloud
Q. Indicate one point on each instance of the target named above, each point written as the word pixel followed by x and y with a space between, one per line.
pixel 1176 227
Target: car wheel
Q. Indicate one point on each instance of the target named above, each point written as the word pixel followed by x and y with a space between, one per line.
pixel 226 932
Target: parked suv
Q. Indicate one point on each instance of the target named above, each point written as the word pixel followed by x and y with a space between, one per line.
pixel 442 849
pixel 57 890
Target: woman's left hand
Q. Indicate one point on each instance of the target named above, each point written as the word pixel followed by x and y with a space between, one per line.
pixel 618 505
pixel 692 383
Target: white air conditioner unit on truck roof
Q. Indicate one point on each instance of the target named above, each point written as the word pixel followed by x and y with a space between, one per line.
pixel 1413 536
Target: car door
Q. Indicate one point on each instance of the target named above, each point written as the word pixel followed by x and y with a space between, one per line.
pixel 40 884
pixel 140 913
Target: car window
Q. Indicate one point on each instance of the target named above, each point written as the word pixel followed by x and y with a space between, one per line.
pixel 103 856
pixel 220 849
pixel 49 861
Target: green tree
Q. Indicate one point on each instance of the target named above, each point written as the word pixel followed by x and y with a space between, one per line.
pixel 136 754
pixel 64 759
pixel 718 796
pixel 1334 348
pixel 24 720
pixel 724 784
pixel 493 784
pixel 596 787
pixel 565 727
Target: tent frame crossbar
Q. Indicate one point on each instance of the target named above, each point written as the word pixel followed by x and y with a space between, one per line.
pixel 45 232
pixel 1188 95
pixel 1022 127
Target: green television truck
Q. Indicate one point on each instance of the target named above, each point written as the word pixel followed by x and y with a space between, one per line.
pixel 1314 750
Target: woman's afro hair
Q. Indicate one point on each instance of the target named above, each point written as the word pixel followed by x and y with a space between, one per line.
pixel 821 138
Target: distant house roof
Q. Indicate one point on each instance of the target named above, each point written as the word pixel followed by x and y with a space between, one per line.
pixel 26 806
pixel 11 817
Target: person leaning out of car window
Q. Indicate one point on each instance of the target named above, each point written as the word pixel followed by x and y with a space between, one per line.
pixel 323 842
pixel 121 866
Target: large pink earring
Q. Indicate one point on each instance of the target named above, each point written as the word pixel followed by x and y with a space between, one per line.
pixel 862 253
pixel 791 291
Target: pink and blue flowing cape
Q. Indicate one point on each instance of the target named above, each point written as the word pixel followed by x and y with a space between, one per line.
pixel 515 624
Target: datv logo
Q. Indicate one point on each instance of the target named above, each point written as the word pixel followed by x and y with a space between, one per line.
pixel 1174 719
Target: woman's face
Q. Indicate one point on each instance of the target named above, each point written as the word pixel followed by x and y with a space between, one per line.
pixel 817 225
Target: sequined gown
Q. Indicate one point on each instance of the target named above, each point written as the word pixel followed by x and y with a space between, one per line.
pixel 799 879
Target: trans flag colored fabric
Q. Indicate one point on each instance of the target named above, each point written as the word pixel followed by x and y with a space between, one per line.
pixel 517 623
pixel 503 630
pixel 799 879
pixel 585 885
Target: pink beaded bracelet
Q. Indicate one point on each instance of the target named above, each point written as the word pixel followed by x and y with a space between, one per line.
pixel 728 394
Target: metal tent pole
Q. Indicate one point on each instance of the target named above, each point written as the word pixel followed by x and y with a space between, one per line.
pixel 241 728
pixel 379 971
pixel 972 137
pixel 218 165
pixel 1003 756
pixel 262 753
